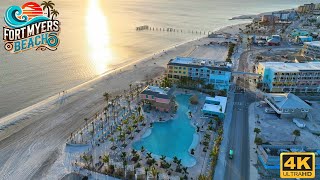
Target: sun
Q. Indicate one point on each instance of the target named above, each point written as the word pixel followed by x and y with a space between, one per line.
pixel 32 9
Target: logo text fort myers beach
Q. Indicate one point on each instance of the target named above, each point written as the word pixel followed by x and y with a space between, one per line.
pixel 31 26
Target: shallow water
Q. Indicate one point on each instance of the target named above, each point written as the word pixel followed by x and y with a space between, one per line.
pixel 173 137
pixel 98 35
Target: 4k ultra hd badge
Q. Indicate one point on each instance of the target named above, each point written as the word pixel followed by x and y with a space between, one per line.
pixel 297 165
pixel 27 27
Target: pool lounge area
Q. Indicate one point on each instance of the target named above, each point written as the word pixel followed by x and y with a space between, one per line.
pixel 175 137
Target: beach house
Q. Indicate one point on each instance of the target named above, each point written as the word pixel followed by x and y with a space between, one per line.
pixel 288 105
pixel 158 98
pixel 217 73
pixel 215 107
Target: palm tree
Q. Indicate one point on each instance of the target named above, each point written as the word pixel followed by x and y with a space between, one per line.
pixel 128 101
pixel 142 149
pixel 112 140
pixel 141 118
pixel 296 133
pixel 207 136
pixel 139 110
pixel 106 96
pixel 47 5
pixel 154 172
pixel 133 152
pixel 149 156
pixel 175 159
pixel 106 158
pixel 123 156
pixel 54 13
pixel 87 159
pixel 185 169
pixel 163 157
pixel 81 133
pixel 86 120
pixel 202 177
pixel 257 131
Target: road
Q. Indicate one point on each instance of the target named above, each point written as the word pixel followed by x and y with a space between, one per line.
pixel 238 138
pixel 238 167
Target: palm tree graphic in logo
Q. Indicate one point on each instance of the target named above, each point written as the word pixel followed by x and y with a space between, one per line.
pixel 54 13
pixel 48 5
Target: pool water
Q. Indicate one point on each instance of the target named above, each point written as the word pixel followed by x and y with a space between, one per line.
pixel 174 137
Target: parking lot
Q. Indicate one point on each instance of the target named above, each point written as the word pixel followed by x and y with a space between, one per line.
pixel 278 131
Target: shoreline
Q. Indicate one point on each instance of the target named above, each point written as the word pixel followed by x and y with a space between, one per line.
pixel 52 99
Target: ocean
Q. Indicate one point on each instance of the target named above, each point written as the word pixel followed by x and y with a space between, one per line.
pixel 99 35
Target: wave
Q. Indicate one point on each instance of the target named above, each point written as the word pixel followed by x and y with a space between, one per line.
pixel 13 22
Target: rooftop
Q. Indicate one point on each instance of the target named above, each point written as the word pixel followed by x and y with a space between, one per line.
pixel 313 43
pixel 190 61
pixel 291 67
pixel 287 101
pixel 275 150
pixel 216 108
pixel 158 91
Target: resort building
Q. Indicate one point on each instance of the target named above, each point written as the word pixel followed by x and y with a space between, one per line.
pixel 269 157
pixel 289 77
pixel 285 15
pixel 269 18
pixel 215 107
pixel 306 8
pixel 209 71
pixel 158 98
pixel 288 105
pixel 311 49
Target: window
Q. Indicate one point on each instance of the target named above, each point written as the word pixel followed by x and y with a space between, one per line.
pixel 179 67
pixel 184 68
pixel 147 96
pixel 179 71
pixel 152 97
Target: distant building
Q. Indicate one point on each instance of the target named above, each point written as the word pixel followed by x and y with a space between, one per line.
pixel 311 49
pixel 274 40
pixel 209 71
pixel 285 15
pixel 269 157
pixel 306 8
pixel 290 77
pixel 215 106
pixel 303 39
pixel 288 105
pixel 269 18
pixel 299 32
pixel 159 98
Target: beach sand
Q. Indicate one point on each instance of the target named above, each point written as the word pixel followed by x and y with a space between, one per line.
pixel 32 139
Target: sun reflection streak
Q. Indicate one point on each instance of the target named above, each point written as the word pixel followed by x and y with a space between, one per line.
pixel 98 37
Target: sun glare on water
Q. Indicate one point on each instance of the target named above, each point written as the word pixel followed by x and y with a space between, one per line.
pixel 98 37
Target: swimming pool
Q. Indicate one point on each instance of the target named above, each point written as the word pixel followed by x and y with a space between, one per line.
pixel 174 137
